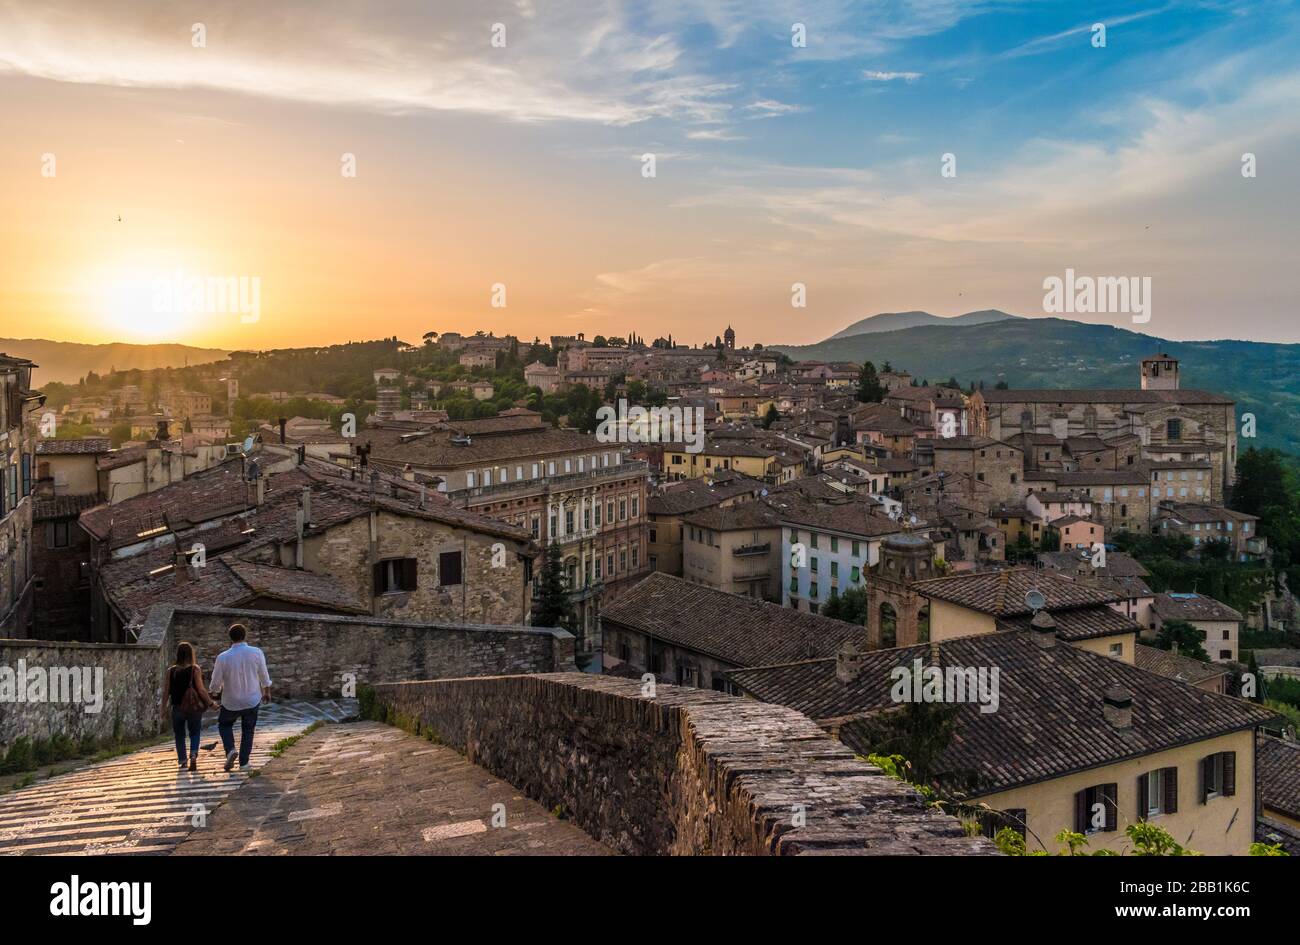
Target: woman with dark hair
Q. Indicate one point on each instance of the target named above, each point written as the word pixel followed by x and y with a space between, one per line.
pixel 183 688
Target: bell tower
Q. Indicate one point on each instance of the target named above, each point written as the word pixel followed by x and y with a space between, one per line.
pixel 1160 373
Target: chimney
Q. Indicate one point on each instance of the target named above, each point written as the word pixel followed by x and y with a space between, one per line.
pixel 848 663
pixel 1117 707
pixel 408 473
pixel 261 490
pixel 163 434
pixel 283 423
pixel 1043 628
pixel 302 455
pixel 306 506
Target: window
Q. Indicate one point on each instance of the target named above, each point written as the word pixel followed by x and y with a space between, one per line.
pixel 596 509
pixel 991 822
pixel 609 564
pixel 653 532
pixel 1095 809
pixel 1158 793
pixel 550 468
pixel 812 540
pixel 622 510
pixel 537 525
pixel 395 575
pixel 469 480
pixel 835 544
pixel 636 506
pixel 568 521
pixel 855 574
pixel 857 548
pixel 59 533
pixel 636 556
pixel 835 568
pixel 537 468
pixel 449 569
pixel 1173 430
pixel 1117 651
pixel 1218 775
pixel 812 590
pixel 519 473
pixel 487 477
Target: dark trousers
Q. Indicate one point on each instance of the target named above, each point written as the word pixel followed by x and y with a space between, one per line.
pixel 181 723
pixel 226 726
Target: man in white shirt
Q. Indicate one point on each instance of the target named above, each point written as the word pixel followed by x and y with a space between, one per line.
pixel 240 675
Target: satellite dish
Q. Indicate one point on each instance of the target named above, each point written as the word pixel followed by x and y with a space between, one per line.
pixel 1035 599
pixel 248 444
pixel 912 518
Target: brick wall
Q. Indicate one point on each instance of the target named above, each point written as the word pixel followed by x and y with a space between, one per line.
pixel 686 772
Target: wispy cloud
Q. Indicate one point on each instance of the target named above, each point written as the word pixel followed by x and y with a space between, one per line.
pixel 871 75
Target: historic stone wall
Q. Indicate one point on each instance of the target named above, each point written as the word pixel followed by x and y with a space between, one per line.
pixel 308 656
pixel 85 691
pixel 682 772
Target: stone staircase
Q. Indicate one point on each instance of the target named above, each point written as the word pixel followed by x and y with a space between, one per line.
pixel 142 802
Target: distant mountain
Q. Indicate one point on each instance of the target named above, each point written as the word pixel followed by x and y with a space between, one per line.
pixel 69 362
pixel 1264 379
pixel 896 321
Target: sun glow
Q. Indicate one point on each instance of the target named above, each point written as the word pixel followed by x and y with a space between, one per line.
pixel 136 302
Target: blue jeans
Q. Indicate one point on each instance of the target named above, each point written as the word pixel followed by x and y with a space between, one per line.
pixel 226 726
pixel 180 724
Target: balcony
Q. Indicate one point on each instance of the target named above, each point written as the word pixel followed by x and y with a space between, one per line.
pixel 561 483
pixel 743 551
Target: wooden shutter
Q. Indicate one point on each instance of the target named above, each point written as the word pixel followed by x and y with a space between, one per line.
pixel 378 577
pixel 1144 789
pixel 1207 764
pixel 1016 819
pixel 1110 798
pixel 1229 787
pixel 1081 811
pixel 1170 777
pixel 409 573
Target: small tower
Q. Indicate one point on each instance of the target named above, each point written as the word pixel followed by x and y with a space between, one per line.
pixel 729 339
pixel 1160 372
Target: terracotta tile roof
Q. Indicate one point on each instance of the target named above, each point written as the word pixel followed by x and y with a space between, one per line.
pixel 1192 607
pixel 1002 593
pixel 694 495
pixel 1278 774
pixel 1049 719
pixel 737 630
pixel 1175 665
pixel 850 514
pixel 47 508
pixel 89 445
pixel 436 449
pixel 294 586
pixel 1078 623
pixel 1103 396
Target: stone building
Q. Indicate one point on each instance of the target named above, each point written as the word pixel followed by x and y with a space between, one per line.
pixel 1219 623
pixel 18 404
pixel 1171 422
pixel 1000 466
pixel 557 485
pixel 896 613
pixel 735 549
pixel 309 539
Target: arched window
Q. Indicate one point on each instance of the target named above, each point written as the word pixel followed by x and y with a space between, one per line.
pixel 888 626
pixel 923 624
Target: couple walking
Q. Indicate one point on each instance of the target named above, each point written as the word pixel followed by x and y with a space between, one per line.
pixel 241 682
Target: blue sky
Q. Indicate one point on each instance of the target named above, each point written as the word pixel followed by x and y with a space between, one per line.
pixel 774 164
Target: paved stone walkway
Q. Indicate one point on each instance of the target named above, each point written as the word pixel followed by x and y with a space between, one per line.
pixel 368 788
pixel 141 802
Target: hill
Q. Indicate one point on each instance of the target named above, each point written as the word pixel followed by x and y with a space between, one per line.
pixel 1264 379
pixel 68 362
pixel 896 321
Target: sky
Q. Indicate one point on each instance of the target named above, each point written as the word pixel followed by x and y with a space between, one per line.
pixel 379 169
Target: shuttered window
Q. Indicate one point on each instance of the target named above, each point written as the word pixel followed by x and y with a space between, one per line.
pixel 1157 793
pixel 1218 775
pixel 1097 805
pixel 450 569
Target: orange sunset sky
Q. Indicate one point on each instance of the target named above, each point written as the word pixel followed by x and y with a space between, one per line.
pixel 522 165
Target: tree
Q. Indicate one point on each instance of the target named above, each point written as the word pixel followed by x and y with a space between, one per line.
pixel 851 607
pixel 1182 636
pixel 869 389
pixel 553 608
pixel 119 434
pixel 771 416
